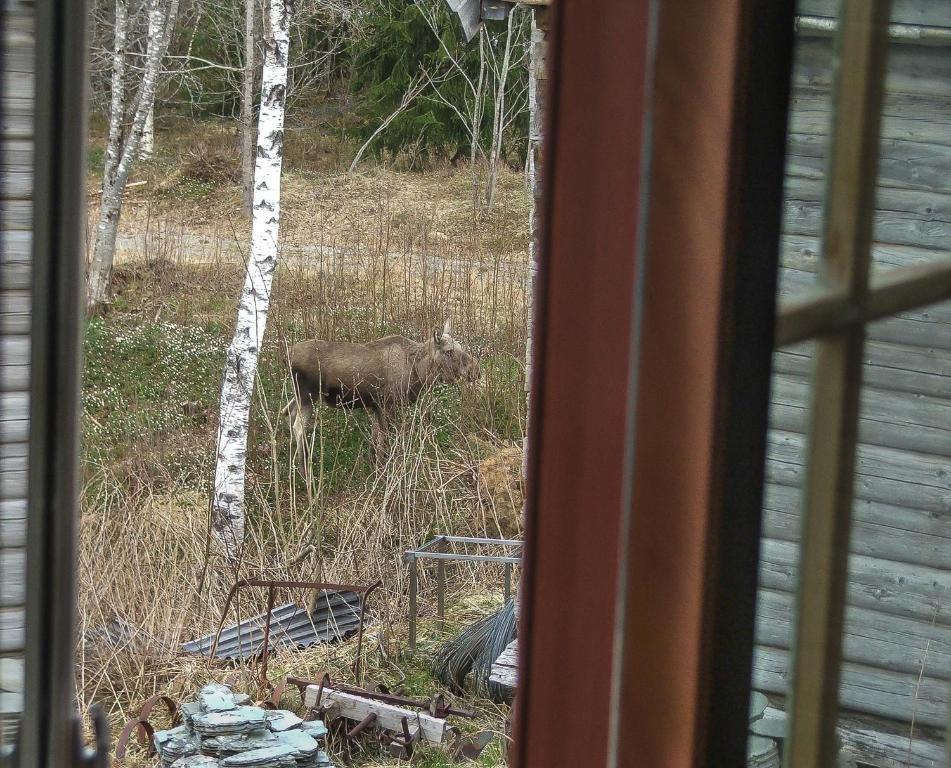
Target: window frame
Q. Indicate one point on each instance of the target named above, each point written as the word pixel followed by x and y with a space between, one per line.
pixel 835 316
pixel 50 733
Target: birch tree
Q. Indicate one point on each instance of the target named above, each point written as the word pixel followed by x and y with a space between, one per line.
pixel 533 178
pixel 242 359
pixel 246 117
pixel 505 109
pixel 123 144
pixel 147 147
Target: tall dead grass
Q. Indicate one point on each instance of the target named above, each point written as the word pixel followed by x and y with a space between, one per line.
pixel 149 577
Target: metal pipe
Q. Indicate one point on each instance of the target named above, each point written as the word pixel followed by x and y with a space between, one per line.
pixel 267 634
pixel 911 33
pixel 470 540
pixel 515 560
pixel 413 588
pixel 358 663
pixel 362 725
pixel 441 590
pixel 507 587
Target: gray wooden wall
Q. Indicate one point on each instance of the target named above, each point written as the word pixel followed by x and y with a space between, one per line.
pixel 897 645
pixel 16 172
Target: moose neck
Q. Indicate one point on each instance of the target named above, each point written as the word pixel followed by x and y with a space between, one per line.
pixel 423 368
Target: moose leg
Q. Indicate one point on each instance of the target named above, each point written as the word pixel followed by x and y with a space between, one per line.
pixel 301 411
pixel 378 426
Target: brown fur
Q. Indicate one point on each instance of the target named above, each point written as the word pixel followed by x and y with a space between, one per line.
pixel 379 376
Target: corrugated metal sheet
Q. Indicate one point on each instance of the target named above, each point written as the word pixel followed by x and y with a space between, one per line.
pixel 336 615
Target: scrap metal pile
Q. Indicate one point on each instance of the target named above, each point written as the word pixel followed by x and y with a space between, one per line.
pixel 224 729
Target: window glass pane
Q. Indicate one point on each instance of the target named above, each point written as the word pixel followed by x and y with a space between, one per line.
pixel 913 219
pixel 16 152
pixel 790 403
pixel 896 675
pixel 896 672
pixel 810 111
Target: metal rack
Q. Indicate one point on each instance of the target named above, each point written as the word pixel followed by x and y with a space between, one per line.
pixel 440 550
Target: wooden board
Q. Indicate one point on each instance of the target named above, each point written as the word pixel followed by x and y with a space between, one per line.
pixel 890 419
pixel 882 743
pixel 12 568
pixel 893 696
pixel 886 475
pixel 871 638
pixel 902 164
pixel 16 189
pixel 15 312
pixel 929 12
pixel 910 590
pixel 905 117
pixel 888 366
pixel 505 667
pixel 879 531
pixel 11 630
pixel 388 716
pixel 12 523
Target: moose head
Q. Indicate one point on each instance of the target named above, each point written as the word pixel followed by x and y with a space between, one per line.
pixel 450 362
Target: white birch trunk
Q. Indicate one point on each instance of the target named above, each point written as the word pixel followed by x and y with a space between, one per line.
pixel 475 128
pixel 242 359
pixel 246 147
pixel 123 149
pixel 147 146
pixel 536 124
pixel 498 116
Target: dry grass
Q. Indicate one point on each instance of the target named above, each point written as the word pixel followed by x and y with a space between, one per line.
pixel 381 252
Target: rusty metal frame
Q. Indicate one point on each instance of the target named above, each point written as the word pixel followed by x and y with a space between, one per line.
pixel 438 549
pixel 142 727
pixel 272 587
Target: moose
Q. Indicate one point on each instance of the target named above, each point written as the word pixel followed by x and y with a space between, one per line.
pixel 379 376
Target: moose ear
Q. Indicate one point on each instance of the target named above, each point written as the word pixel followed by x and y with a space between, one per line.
pixel 437 337
pixel 447 327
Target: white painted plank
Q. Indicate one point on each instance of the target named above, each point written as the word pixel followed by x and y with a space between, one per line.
pixel 356 708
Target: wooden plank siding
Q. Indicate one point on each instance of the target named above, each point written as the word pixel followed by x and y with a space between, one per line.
pixel 16 177
pixel 897 637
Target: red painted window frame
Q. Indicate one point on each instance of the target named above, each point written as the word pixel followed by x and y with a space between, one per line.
pixel 655 304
